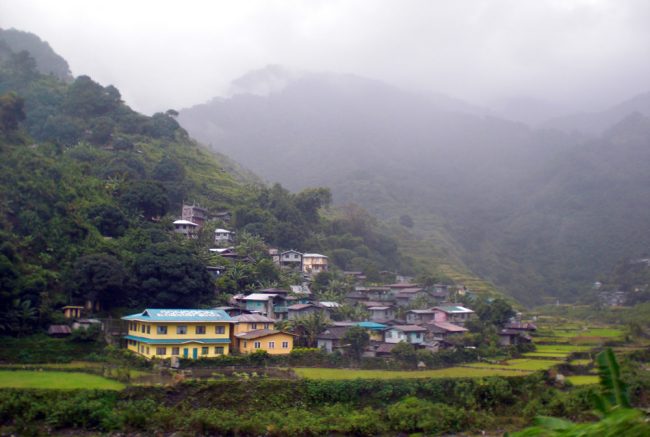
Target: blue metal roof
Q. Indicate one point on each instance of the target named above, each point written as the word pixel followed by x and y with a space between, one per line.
pixel 371 325
pixel 178 341
pixel 180 315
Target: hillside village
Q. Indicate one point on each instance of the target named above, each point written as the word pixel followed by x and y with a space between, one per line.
pixel 272 319
pixel 275 320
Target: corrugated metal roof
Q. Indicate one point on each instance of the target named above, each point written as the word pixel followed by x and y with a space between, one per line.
pixel 259 333
pixel 180 315
pixel 258 318
pixel 453 309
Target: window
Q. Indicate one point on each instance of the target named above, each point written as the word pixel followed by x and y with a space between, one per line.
pixel 176 351
pixel 220 329
pixel 218 350
pixel 142 327
pixel 285 345
pixel 266 326
pixel 271 345
pixel 161 330
pixel 147 350
pixel 161 351
pixel 245 343
pixel 257 345
pixel 253 325
pixel 181 329
pixel 200 329
pixel 148 329
pixel 205 350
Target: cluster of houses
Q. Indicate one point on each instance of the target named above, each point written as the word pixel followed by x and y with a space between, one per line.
pixel 248 323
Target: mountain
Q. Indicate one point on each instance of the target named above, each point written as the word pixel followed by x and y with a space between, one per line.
pixel 47 60
pixel 596 123
pixel 89 189
pixel 539 212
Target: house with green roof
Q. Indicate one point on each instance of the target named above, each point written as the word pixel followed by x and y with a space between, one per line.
pixel 183 333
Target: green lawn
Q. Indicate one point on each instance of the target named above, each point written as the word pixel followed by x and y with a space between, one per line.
pixel 55 380
pixel 451 372
pixel 583 379
pixel 549 355
pixel 561 348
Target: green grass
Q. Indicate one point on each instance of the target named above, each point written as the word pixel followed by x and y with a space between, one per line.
pixel 582 362
pixel 55 380
pixel 521 364
pixel 561 348
pixel 583 379
pixel 451 372
pixel 549 355
pixel 74 365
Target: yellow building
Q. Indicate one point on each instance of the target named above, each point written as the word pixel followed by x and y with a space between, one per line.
pixel 254 332
pixel 72 311
pixel 183 333
pixel 314 263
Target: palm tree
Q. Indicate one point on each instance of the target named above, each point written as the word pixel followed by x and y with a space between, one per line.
pixel 310 326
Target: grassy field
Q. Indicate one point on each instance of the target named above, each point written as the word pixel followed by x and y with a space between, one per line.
pixel 583 379
pixel 451 372
pixel 55 380
pixel 520 364
pixel 584 362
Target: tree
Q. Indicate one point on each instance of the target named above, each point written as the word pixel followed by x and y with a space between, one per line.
pixel 405 353
pixel 12 112
pixel 169 276
pixel 100 278
pixel 147 198
pixel 310 326
pixel 356 338
pixel 169 170
pixel 108 220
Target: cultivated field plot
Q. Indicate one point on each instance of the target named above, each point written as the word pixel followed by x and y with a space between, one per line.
pixel 55 380
pixel 519 364
pixel 583 379
pixel 451 372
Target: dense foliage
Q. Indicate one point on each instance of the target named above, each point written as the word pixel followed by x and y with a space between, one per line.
pixel 89 189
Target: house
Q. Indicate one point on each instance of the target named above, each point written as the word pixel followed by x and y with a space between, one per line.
pixel 291 259
pixel 233 311
pixel 355 297
pixel 512 337
pixel 59 330
pixel 331 338
pixel 314 263
pixel 381 313
pixel 224 216
pixel 439 331
pixel 357 277
pixel 223 237
pixel 263 333
pixel 418 317
pixel 270 340
pixel 186 333
pixel 194 214
pixel 300 290
pixel 186 228
pixel 86 324
pixel 72 311
pixel 398 286
pixel 375 293
pixel 375 330
pixel 269 304
pixel 215 271
pixel 406 296
pixel 409 333
pixel 521 326
pixel 274 253
pixel 452 313
pixel 300 310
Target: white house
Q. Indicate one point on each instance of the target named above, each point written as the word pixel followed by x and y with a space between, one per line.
pixel 291 258
pixel 186 227
pixel 408 333
pixel 223 237
pixel 314 263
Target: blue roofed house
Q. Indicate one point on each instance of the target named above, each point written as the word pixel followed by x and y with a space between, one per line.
pixel 183 333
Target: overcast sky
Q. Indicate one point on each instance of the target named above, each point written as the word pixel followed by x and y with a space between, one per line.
pixel 173 54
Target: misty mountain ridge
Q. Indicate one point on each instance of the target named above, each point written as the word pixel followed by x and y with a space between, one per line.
pixel 522 206
pixel 596 123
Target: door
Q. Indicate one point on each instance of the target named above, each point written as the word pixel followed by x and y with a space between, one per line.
pixel 185 352
pixel 195 353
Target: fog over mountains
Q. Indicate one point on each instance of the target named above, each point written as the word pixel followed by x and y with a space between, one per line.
pixel 540 211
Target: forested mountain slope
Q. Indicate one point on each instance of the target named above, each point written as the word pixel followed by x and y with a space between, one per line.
pixel 539 212
pixel 89 189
